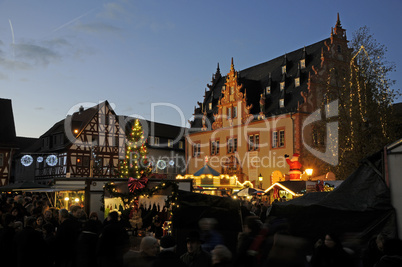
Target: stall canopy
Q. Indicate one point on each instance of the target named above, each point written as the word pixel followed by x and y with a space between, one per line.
pixel 361 205
pixel 23 186
pixel 206 169
pixel 248 192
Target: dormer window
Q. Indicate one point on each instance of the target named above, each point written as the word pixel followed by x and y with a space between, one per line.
pixel 297 82
pixel 302 64
pixel 210 106
pixel 268 90
pixel 281 102
pixel 282 86
pixel 284 69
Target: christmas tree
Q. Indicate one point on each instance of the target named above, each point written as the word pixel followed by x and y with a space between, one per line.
pixel 135 164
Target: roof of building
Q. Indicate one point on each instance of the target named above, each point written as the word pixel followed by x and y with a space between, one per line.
pixel 7 126
pixel 256 78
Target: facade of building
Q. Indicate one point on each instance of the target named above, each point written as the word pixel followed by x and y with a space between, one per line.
pixel 90 143
pixel 8 140
pixel 250 119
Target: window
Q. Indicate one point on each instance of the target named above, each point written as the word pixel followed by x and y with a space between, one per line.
pixel 232 145
pixel 196 150
pixel 234 112
pixel 229 113
pixel 281 138
pixel 283 69
pixel 79 161
pixel 170 143
pixel 210 106
pixel 339 49
pixel 302 64
pixel 281 102
pixel 154 140
pixel 181 145
pixel 268 90
pixel 274 139
pixel 85 161
pixel 1 159
pixel 297 82
pixel 278 139
pixel 231 90
pixel 282 86
pixel 253 142
pixel 214 147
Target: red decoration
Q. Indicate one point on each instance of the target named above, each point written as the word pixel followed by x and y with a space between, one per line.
pixel 136 184
pixel 295 167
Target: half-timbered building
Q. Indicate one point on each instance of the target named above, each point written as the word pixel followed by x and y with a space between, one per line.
pixel 8 141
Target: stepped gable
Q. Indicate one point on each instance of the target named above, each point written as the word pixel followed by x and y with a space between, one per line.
pixel 256 78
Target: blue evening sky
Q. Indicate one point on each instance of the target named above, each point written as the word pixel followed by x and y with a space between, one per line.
pixel 58 55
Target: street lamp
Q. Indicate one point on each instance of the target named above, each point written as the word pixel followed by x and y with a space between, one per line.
pixel 309 173
pixel 260 179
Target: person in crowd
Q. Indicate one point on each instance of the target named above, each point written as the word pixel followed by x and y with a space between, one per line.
pixel 39 207
pixel 252 228
pixel 168 256
pixel 221 256
pixel 156 227
pixel 135 219
pixel 49 235
pixel 93 216
pixel 86 245
pixel 7 234
pixel 149 248
pixel 392 254
pixel 209 234
pixel 29 247
pixel 113 242
pixel 39 223
pixel 374 250
pixel 66 238
pixel 17 213
pixel 330 253
pixel 48 218
pixel 195 255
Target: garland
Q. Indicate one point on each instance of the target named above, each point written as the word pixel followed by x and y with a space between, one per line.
pixel 128 198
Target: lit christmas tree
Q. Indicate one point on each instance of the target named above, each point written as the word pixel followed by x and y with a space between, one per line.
pixel 136 164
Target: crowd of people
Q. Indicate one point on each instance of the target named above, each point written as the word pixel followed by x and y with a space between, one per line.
pixel 33 233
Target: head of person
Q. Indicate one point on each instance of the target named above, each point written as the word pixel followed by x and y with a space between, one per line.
pixel 93 216
pixel 221 254
pixel 253 224
pixel 48 215
pixel 39 220
pixel 149 246
pixel 63 215
pixel 113 216
pixel 75 211
pixel 193 241
pixel 332 241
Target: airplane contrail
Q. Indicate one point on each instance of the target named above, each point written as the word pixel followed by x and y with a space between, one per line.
pixel 72 21
pixel 12 34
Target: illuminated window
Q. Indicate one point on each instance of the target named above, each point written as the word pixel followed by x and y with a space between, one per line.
pixel 302 64
pixel 281 138
pixel 282 86
pixel 283 69
pixel 210 106
pixel 170 143
pixel 181 145
pixel 281 102
pixel 79 161
pixel 297 82
pixel 268 90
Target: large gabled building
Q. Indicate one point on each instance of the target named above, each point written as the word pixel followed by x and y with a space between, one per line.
pixel 249 119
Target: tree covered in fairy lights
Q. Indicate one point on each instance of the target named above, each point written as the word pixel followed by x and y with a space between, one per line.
pixel 135 163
